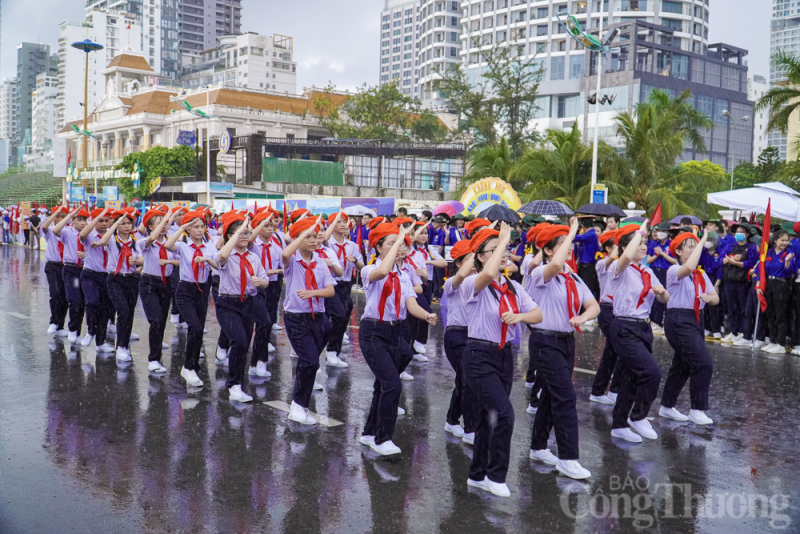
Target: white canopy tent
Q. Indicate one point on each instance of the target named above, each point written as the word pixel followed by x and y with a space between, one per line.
pixel 785 203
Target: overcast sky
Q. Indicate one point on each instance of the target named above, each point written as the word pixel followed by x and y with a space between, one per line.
pixel 338 40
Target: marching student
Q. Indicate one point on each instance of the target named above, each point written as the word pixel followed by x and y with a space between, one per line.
pixel 690 291
pixel 634 286
pixel 560 295
pixel 73 263
pixel 533 380
pixel 462 400
pixel 195 255
pixel 53 270
pixel 659 261
pixel 429 257
pixel 93 281
pixel 308 283
pixel 779 266
pixel 587 259
pixel 155 287
pixel 608 362
pixel 122 282
pixel 417 277
pixel 177 221
pixel 389 298
pixel 262 244
pixel 240 276
pixel 493 305
pixel 334 307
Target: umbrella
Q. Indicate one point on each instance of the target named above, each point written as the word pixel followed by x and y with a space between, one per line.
pixel 450 207
pixel 695 220
pixel 633 220
pixel 500 213
pixel 785 205
pixel 600 209
pixel 358 211
pixel 546 207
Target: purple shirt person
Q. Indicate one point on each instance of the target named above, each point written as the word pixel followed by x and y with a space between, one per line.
pixel 54 246
pixel 96 257
pixel 230 274
pixel 682 293
pixel 552 296
pixel 151 254
pixel 626 290
pixel 374 291
pixel 604 276
pixel 295 275
pixel 483 309
pixel 70 238
pixel 186 252
pixel 456 307
pixel 342 251
pixel 270 255
pixel 119 262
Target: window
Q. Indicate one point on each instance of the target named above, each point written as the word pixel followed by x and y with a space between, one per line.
pixel 680 66
pixel 541 30
pixel 672 23
pixel 569 106
pixel 634 5
pixel 542 13
pixel 668 6
pixel 576 66
pixel 557 68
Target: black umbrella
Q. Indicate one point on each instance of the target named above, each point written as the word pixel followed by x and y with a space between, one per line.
pixel 695 220
pixel 600 209
pixel 500 213
pixel 546 207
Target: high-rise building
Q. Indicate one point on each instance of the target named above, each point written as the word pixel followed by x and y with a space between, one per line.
pixel 399 35
pixel 784 37
pixel 32 59
pixel 439 46
pixel 203 22
pixel 756 87
pixel 9 109
pixel 44 121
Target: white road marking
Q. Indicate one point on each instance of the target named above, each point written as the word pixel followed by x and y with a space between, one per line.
pixel 587 371
pixel 321 419
pixel 18 315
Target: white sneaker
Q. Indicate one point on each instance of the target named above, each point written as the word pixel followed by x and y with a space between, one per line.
pixel 405 376
pixel 183 326
pixel 796 350
pixel 627 434
pixel 758 344
pixel 401 411
pixel 591 322
pixel 222 355
pixel 480 484
pixel 743 343
pixel 293 354
pixel 52 329
pixel 111 328
pixel 644 428
pixel 333 360
pixel 191 377
pixel 612 396
pixel 419 347
pixel 156 367
pixel 727 339
pixel 456 430
pixel 657 329
pixel 573 469
pixel 261 370
pixel 317 386
pixel 72 337
pixel 62 333
pixel 671 413
pixel 544 456
pixel 174 318
pixel 529 384
pixel 602 399
pixel 235 394
pixel 699 417
pixel 767 347
pixel 164 346
pixel 498 488
pixel 531 409
pixel 369 441
pixel 737 337
pixel 87 340
pixel 276 327
pixel 717 336
pixel 300 415
pixel 123 355
pixel 135 336
pixel 777 349
pixel 271 348
pixel 706 333
pixel 106 347
pixel 386 448
pixel 420 358
pixel 345 341
pixel 469 438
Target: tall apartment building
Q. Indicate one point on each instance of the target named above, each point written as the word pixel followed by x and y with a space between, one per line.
pixel 32 59
pixel 9 109
pixel 756 87
pixel 44 121
pixel 203 22
pixel 113 30
pixel 784 37
pixel 439 47
pixel 399 36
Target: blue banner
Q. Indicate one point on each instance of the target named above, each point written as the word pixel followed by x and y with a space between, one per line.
pixel 186 138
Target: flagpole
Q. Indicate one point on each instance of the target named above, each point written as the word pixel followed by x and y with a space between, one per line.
pixel 755 330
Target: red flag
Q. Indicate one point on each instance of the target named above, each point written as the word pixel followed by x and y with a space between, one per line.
pixel 656 218
pixel 285 219
pixel 762 268
pixel 69 156
pixel 255 207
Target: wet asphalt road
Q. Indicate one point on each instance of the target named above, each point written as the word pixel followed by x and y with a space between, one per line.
pixel 87 446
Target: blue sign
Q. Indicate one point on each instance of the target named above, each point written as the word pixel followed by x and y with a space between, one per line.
pixel 92 199
pixel 111 192
pixel 77 193
pixel 599 194
pixel 225 142
pixel 187 137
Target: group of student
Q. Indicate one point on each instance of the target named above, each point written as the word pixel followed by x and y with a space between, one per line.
pixel 101 262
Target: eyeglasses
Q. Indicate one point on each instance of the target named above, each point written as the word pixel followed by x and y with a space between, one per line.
pixel 246 234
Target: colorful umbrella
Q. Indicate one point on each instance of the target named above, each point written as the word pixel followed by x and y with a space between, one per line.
pixel 546 207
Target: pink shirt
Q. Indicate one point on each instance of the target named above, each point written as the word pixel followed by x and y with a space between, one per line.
pixel 295 276
pixel 483 309
pixel 270 255
pixel 114 247
pixel 456 310
pixel 186 253
pixel 626 288
pixel 604 276
pixel 230 274
pixel 552 299
pixel 681 292
pixel 96 257
pixel 374 290
pixel 342 250
pixel 70 238
pixel 151 255
pixel 52 240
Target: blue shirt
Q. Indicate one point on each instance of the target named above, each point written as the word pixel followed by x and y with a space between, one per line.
pixel 776 264
pixel 659 263
pixel 711 263
pixel 794 245
pixel 436 237
pixel 589 247
pixel 456 236
pixel 727 240
pixel 364 236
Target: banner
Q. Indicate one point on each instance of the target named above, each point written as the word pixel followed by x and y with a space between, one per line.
pixel 77 193
pixel 187 137
pixel 25 211
pixel 111 192
pixel 113 205
pixel 483 193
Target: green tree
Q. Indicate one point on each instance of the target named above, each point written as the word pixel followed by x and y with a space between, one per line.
pixel 745 175
pixel 783 98
pixel 158 161
pixel 769 164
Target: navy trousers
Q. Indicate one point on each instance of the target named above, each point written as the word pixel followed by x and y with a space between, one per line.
pixel 557 407
pixel 462 400
pixel 381 344
pixel 156 297
pixel 307 334
pixel 263 321
pixel 657 311
pixel 58 298
pixel 339 323
pixel 736 299
pixel 74 294
pixel 533 374
pixel 489 371
pixel 752 307
pixel 419 328
pixel 236 321
pixel 193 307
pixel 779 298
pixel 97 304
pixel 640 374
pixel 174 279
pixel 608 362
pixel 123 290
pixel 335 314
pixel 691 360
pixel 223 341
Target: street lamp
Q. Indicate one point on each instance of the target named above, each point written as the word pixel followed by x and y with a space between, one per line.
pixel 746 118
pixel 87 46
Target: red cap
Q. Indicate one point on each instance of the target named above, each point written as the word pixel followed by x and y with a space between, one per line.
pixel 149 214
pixel 380 231
pixel 300 227
pixel 625 230
pixel 475 224
pixel 673 246
pixel 462 248
pixel 230 220
pixel 482 236
pixel 343 217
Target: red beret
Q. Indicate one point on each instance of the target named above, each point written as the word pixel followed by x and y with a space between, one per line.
pixel 343 217
pixel 96 212
pixel 184 209
pixel 482 236
pixel 129 212
pixel 197 214
pixel 63 209
pixel 399 221
pixel 230 220
pixel 300 227
pixel 150 214
pixel 673 246
pixel 462 248
pixel 260 216
pixel 375 222
pixel 549 233
pixel 605 236
pixel 475 224
pixel 83 213
pixel 381 231
pixel 625 230
pixel 535 231
pixel 297 214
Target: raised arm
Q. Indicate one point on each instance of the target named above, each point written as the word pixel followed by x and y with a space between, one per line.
pixel 292 247
pixel 60 226
pixel 492 267
pixel 225 253
pixel 387 263
pixel 556 265
pixel 110 232
pixel 466 267
pixel 92 224
pixel 691 264
pixel 47 222
pixel 630 251
pixel 257 230
pixel 329 229
pixel 171 243
pixel 156 233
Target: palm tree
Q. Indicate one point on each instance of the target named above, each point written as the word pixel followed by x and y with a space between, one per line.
pixel 487 161
pixel 784 98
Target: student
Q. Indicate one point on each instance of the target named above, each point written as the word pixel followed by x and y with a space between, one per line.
pixel 436 238
pixel 308 283
pixel 780 265
pixel 462 400
pixel 122 282
pixel 737 259
pixel 533 381
pixel 389 298
pixel 608 362
pixel 73 263
pixel 334 307
pixel 195 255
pixel 634 286
pixel 155 288
pixel 589 249
pixel 266 246
pixel 240 276
pixel 659 260
pixel 93 281
pixel 53 270
pixel 424 255
pixel 493 306
pixel 175 317
pixel 457 232
pixel 690 290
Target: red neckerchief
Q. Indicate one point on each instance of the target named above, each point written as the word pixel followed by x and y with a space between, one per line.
pixel 244 269
pixel 162 255
pixel 125 253
pixel 409 260
pixel 61 250
pixel 699 289
pixel 391 284
pixel 573 298
pixel 645 281
pixel 508 302
pixel 341 252
pixel 266 255
pixel 198 252
pixel 311 280
pixel 80 249
pixel 358 237
pixel 424 253
pixel 277 241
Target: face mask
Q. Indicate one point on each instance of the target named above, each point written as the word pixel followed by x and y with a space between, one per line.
pixel 661 236
pixel 740 238
pixel 709 244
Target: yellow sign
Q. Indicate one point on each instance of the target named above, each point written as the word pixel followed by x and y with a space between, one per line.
pixel 155 185
pixel 113 204
pixel 25 211
pixel 182 203
pixel 483 193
